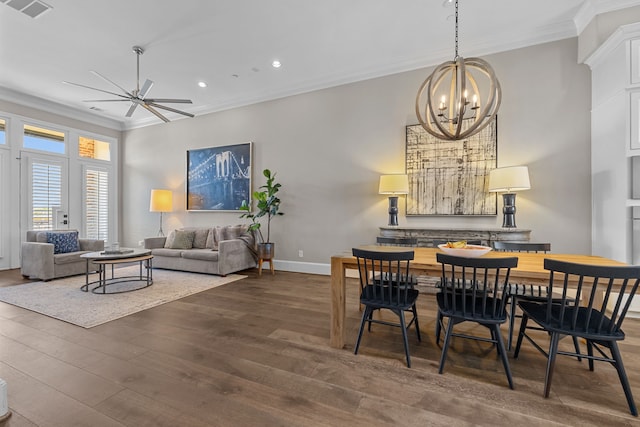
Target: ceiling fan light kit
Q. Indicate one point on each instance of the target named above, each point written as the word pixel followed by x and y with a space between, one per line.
pixel 138 96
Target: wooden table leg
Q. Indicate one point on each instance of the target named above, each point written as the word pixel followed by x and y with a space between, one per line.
pixel 338 304
pixel 262 261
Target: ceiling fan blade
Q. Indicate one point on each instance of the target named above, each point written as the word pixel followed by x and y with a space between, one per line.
pixel 173 110
pixel 113 83
pixel 105 100
pixel 99 90
pixel 131 109
pixel 170 101
pixel 145 88
pixel 153 111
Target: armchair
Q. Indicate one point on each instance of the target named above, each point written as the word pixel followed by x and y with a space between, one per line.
pixel 39 259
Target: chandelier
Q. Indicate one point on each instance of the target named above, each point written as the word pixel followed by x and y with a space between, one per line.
pixel 462 97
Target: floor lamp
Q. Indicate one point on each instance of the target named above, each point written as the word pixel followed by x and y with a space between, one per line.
pixel 394 185
pixel 161 201
pixel 508 180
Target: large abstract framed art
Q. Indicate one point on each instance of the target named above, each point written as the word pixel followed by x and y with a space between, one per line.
pixel 219 178
pixel 451 177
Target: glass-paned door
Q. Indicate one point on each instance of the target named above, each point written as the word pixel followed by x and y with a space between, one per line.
pixel 44 181
pixel 96 208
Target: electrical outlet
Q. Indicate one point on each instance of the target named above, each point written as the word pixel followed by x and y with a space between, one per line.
pixel 141 243
pixel 300 253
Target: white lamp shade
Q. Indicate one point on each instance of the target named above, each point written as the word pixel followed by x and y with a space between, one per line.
pixel 161 201
pixel 394 184
pixel 508 179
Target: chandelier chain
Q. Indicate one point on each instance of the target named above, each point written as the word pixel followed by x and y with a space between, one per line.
pixel 456 57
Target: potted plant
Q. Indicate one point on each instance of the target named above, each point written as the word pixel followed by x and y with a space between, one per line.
pixel 268 204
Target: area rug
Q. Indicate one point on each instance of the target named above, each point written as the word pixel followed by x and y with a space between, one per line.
pixel 62 298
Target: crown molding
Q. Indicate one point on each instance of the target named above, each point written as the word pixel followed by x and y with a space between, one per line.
pixel 491 44
pixel 585 14
pixel 621 35
pixel 488 45
pixel 592 8
pixel 52 107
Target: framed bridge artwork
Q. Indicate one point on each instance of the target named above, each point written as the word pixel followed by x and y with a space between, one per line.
pixel 451 177
pixel 219 178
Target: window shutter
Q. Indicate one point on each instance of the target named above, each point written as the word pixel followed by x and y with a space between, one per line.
pixel 46 194
pixel 97 204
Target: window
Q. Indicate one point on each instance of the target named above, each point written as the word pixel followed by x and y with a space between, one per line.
pixel 46 194
pixel 42 139
pixel 94 149
pixel 3 131
pixel 96 203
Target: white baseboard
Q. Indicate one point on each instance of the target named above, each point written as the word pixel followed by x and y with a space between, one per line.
pixel 302 267
pixel 308 267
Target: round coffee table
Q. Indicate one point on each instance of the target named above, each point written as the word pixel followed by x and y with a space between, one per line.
pixel 124 255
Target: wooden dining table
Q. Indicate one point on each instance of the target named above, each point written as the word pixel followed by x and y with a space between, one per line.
pixel 530 270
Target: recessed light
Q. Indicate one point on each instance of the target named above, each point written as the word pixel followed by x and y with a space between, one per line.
pixel 276 64
pixel 202 84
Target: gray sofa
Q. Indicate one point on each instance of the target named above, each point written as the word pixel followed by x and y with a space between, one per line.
pixel 39 259
pixel 213 250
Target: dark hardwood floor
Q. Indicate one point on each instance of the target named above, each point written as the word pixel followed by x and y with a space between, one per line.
pixel 255 353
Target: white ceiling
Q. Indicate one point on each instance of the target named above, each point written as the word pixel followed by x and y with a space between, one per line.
pixel 230 44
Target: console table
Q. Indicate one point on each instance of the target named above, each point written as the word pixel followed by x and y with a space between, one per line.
pixel 429 236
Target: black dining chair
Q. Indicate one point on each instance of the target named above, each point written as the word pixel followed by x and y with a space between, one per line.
pixel 400 241
pixel 472 291
pixel 385 285
pixel 608 293
pixel 523 291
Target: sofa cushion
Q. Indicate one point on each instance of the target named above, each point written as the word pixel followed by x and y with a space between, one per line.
pixel 200 238
pixel 167 252
pixel 212 239
pixel 183 239
pixel 63 242
pixel 69 257
pixel 170 238
pixel 201 254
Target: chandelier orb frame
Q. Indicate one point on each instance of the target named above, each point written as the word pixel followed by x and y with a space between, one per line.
pixel 471 106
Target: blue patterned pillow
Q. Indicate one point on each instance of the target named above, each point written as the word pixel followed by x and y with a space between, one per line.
pixel 64 242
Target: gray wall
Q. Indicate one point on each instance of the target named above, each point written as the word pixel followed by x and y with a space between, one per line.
pixel 329 148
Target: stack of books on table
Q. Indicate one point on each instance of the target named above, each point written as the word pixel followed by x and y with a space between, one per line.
pixel 117 251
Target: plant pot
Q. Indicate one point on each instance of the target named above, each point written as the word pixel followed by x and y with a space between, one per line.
pixel 266 250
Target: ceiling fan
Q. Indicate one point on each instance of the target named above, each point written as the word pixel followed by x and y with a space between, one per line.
pixel 138 96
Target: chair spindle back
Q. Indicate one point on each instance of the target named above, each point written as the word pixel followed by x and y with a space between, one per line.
pixel 384 276
pixel 473 286
pixel 606 293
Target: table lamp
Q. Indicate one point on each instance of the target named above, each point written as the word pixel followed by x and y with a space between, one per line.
pixel 393 185
pixel 161 201
pixel 507 180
